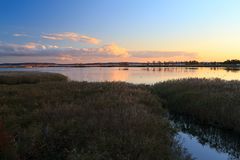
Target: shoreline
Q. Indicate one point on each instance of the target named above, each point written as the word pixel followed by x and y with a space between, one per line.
pixel 121 66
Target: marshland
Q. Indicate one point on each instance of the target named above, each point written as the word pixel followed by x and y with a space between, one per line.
pixel 119 80
pixel 49 116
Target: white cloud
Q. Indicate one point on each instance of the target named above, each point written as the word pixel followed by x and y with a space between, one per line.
pixel 20 35
pixel 72 37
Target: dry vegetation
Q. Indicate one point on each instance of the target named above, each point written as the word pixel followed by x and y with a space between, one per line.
pixel 55 119
pixel 211 101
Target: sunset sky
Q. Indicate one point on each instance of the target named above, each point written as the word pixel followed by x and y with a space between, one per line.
pixel 72 31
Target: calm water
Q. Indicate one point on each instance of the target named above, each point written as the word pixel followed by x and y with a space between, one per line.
pixel 138 75
pixel 206 143
pixel 203 143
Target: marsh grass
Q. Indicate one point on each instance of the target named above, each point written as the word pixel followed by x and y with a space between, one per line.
pixel 211 101
pixel 64 120
pixel 29 77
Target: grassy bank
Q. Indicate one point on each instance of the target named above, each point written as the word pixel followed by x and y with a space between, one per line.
pixel 214 102
pixel 29 77
pixel 61 120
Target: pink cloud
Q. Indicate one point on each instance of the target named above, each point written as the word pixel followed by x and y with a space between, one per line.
pixel 71 36
pixel 109 52
pixel 32 45
pixel 114 50
pixel 32 48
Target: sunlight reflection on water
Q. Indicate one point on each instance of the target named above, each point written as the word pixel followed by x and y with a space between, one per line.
pixel 137 75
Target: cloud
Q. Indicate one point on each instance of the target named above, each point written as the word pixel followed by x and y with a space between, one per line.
pixel 28 49
pixel 161 54
pixel 114 49
pixel 109 52
pixel 33 49
pixel 34 46
pixel 20 35
pixel 72 37
pixel 65 58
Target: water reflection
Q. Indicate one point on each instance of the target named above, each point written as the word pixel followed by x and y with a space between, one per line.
pixel 120 75
pixel 231 69
pixel 171 69
pixel 147 75
pixel 220 140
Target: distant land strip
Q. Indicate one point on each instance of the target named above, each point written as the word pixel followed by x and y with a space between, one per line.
pixel 228 63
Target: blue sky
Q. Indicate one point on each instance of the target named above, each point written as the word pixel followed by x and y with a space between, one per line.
pixel 197 29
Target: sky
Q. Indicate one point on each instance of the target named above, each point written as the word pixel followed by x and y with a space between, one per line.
pixel 80 31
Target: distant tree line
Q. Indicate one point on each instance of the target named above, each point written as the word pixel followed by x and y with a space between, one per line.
pixel 234 61
pixel 194 62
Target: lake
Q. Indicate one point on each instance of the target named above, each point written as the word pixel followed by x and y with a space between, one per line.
pixel 204 143
pixel 137 75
